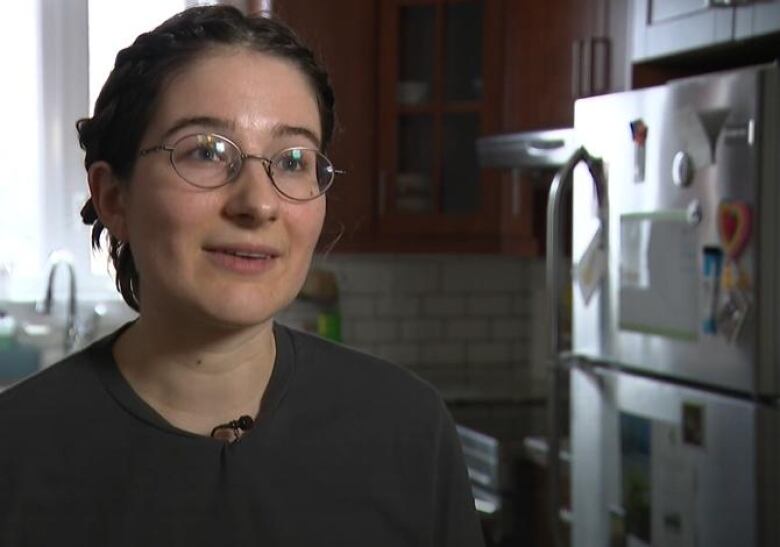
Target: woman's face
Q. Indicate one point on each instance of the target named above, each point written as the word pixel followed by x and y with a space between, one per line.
pixel 185 239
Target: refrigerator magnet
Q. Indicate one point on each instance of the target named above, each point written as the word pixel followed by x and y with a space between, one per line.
pixel 693 424
pixel 735 225
pixel 639 136
pixel 712 262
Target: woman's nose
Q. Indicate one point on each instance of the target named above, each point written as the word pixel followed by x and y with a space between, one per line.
pixel 253 197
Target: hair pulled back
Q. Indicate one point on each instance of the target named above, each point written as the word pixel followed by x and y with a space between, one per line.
pixel 129 97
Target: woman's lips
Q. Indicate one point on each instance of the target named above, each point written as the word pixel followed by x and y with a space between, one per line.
pixel 242 261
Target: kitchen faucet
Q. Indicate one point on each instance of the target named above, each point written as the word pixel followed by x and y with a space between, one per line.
pixel 59 258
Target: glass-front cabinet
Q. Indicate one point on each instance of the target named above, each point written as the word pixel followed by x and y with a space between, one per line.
pixel 440 89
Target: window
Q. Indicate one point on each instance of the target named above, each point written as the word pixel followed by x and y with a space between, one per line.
pixel 62 53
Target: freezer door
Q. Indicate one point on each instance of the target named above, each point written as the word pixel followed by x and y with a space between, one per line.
pixel 689 167
pixel 656 464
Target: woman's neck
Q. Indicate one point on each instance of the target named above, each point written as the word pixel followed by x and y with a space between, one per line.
pixel 196 376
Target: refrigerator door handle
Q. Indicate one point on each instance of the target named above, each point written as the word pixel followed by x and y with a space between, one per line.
pixel 553 283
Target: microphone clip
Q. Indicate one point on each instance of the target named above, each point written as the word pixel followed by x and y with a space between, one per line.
pixel 237 427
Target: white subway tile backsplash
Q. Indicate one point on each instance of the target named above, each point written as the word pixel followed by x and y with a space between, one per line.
pixel 362 277
pixel 397 305
pixel 490 305
pixel 421 329
pixel 444 306
pixel 446 353
pixel 415 277
pixel 467 329
pixel 348 332
pixel 375 330
pixel 357 306
pixel 483 353
pixel 522 353
pixel 522 305
pixel 469 321
pixel 510 328
pixel 484 275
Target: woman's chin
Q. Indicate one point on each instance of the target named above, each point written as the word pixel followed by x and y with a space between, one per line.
pixel 241 313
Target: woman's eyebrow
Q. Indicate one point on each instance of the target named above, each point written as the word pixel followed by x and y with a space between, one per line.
pixel 278 131
pixel 203 121
pixel 281 130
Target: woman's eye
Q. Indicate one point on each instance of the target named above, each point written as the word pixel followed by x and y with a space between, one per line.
pixel 292 161
pixel 206 153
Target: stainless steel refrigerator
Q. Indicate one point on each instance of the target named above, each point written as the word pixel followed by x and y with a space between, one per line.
pixel 674 371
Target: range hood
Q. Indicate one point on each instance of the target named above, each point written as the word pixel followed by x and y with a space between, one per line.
pixel 528 150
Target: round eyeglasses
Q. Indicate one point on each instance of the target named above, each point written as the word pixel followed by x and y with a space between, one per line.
pixel 209 161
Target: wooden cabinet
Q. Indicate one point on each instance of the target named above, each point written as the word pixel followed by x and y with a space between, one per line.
pixel 556 52
pixel 560 51
pixel 440 88
pixel 343 34
pixel 599 38
pixel 417 81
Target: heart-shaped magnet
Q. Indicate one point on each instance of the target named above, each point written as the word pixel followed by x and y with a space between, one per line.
pixel 735 222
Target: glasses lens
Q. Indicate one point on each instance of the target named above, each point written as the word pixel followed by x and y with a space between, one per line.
pixel 301 173
pixel 206 160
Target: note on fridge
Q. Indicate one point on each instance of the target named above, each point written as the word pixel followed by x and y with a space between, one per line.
pixel 592 265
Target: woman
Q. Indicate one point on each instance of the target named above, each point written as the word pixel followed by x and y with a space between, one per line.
pixel 203 422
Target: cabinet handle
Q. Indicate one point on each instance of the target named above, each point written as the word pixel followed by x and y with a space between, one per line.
pixel 382 197
pixel 576 68
pixel 515 192
pixel 728 3
pixel 586 58
pixel 581 76
pixel 600 59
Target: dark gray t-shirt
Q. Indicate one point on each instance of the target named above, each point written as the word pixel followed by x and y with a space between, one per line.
pixel 346 450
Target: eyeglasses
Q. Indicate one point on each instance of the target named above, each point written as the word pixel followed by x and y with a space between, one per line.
pixel 207 160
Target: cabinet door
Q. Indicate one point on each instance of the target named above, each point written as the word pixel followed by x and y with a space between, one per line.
pixel 347 47
pixel 599 39
pixel 438 92
pixel 757 19
pixel 667 27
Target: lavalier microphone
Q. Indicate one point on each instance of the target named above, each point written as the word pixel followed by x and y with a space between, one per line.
pixel 238 427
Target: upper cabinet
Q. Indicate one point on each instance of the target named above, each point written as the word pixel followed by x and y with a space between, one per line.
pixel 418 81
pixel 440 71
pixel 667 27
pixel 347 46
pixel 756 19
pixel 599 41
pixel 560 51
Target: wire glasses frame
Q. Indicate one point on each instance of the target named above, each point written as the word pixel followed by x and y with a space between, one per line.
pixel 209 161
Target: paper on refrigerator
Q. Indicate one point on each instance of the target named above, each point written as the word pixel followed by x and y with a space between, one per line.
pixel 592 265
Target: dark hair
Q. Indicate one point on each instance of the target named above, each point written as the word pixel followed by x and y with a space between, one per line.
pixel 129 97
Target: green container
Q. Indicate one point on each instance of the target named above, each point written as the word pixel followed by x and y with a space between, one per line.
pixel 329 325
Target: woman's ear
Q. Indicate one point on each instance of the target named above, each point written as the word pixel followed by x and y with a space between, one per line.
pixel 108 198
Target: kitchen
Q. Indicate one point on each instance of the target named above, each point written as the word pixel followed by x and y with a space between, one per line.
pixel 455 293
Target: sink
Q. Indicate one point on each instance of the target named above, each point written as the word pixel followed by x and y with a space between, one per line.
pixel 42 336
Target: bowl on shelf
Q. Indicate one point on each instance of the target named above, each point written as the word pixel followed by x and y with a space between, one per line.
pixel 413 203
pixel 412 92
pixel 411 182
